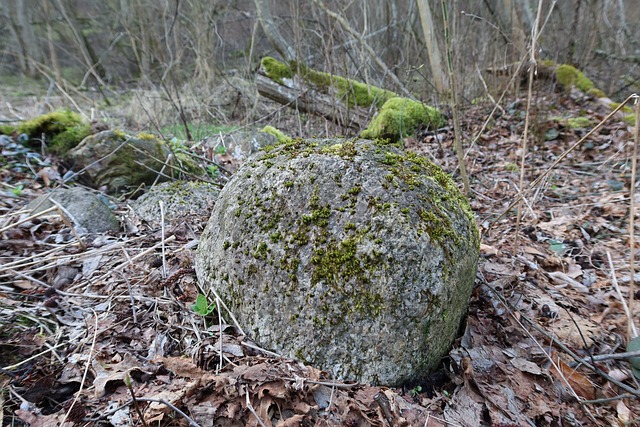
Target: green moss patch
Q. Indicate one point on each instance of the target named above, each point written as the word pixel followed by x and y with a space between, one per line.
pixel 579 122
pixel 351 92
pixel 62 130
pixel 569 76
pixel 276 70
pixel 400 117
pixel 7 129
pixel 280 136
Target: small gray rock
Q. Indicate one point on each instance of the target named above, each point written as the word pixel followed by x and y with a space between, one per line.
pixel 353 256
pixel 182 199
pixel 86 209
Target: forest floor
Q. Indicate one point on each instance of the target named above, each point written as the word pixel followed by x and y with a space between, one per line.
pixel 98 336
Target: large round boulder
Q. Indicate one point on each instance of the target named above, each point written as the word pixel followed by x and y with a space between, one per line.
pixel 351 255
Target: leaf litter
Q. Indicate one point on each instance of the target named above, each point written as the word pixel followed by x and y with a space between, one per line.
pixel 108 335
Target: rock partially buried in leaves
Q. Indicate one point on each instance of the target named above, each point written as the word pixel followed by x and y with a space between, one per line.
pixel 86 210
pixel 353 256
pixel 182 200
pixel 117 161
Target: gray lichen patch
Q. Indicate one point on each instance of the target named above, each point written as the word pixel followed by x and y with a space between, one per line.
pixel 350 254
pixel 181 199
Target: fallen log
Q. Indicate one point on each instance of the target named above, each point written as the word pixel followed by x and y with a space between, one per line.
pixel 348 102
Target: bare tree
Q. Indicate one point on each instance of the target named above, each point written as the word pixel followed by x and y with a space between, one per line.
pixel 265 17
pixel 28 50
pixel 433 48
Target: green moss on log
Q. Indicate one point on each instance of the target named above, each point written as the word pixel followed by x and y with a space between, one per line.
pixel 400 117
pixel 351 92
pixel 569 76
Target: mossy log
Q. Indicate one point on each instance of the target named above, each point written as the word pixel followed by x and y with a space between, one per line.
pixel 347 102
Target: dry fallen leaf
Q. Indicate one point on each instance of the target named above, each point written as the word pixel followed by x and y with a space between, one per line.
pixel 579 383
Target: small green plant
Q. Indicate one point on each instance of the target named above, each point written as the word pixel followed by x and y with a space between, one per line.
pixel 17 190
pixel 415 391
pixel 213 171
pixel 202 306
pixel 178 145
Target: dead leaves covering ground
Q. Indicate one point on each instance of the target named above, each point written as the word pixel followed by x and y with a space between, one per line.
pixel 102 337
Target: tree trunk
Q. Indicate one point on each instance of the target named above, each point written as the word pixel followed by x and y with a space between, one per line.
pixel 22 31
pixel 263 9
pixel 53 56
pixel 518 34
pixel 88 56
pixel 435 57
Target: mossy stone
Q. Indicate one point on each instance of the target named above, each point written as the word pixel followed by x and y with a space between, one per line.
pixel 569 76
pixel 87 211
pixel 62 130
pixel 321 257
pixel 118 161
pixel 181 199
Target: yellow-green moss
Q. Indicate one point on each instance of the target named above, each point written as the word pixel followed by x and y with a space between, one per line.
pixel 626 109
pixel 120 134
pixel 630 119
pixel 146 135
pixel 62 130
pixel 7 129
pixel 275 69
pixel 568 76
pixel 351 92
pixel 339 262
pixel 596 93
pixel 629 115
pixel 578 122
pixel 345 150
pixel 400 117
pixel 280 136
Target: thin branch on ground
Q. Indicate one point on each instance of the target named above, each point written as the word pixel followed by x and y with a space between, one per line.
pixel 632 215
pixel 86 368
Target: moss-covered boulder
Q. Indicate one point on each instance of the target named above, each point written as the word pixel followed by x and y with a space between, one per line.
pixel 117 161
pixel 62 130
pixel 351 255
pixel 401 117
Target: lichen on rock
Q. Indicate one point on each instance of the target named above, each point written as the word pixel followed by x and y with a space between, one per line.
pixel 181 199
pixel 352 255
pixel 117 161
